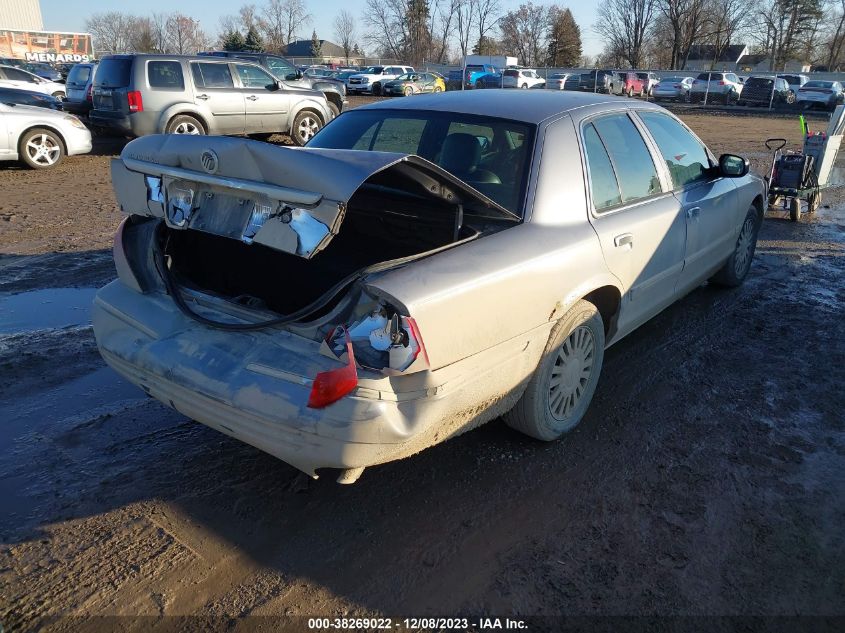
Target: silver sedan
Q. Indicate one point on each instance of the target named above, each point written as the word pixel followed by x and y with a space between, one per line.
pixel 673 88
pixel 40 137
pixel 421 267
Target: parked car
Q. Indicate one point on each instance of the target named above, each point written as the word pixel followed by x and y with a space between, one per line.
pixel 597 81
pixel 627 83
pixel 521 78
pixel 413 84
pixel 319 72
pixel 14 77
pixel 673 89
pixel 373 78
pixel 80 85
pixel 716 87
pixel 820 93
pixel 761 90
pixel 40 137
pixel 29 97
pixel 144 94
pixel 475 76
pixel 558 81
pixel 45 71
pixel 795 81
pixel 388 332
pixel 650 80
pixel 333 89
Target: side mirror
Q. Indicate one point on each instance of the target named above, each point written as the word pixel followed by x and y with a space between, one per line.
pixel 732 166
pixel 276 85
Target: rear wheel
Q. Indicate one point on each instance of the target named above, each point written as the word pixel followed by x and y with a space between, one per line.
pixel 438 89
pixel 735 270
pixel 41 148
pixel 305 125
pixel 184 124
pixel 630 92
pixel 377 89
pixel 560 391
pixel 524 86
pixel 59 94
pixel 408 91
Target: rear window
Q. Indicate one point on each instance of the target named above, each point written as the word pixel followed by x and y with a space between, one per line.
pixel 712 76
pixel 79 74
pixel 758 81
pixel 511 73
pixel 793 79
pixel 114 73
pixel 165 74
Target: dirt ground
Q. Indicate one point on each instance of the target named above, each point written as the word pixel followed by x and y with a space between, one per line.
pixel 708 478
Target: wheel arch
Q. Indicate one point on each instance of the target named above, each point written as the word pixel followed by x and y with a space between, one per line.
pixel 178 110
pixel 42 126
pixel 607 300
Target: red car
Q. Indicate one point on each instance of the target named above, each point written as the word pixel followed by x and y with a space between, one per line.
pixel 627 83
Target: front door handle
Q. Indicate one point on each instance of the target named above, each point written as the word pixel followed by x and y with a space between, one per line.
pixel 204 97
pixel 692 212
pixel 626 239
pixel 252 98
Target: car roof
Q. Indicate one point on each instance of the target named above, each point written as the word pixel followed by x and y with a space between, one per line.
pixel 528 106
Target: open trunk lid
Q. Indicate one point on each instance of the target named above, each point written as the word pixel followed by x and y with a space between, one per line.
pixel 289 199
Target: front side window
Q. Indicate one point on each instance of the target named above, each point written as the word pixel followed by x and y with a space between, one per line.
pixel 632 162
pixel 165 74
pixel 685 156
pixel 13 74
pixel 209 75
pixel 254 77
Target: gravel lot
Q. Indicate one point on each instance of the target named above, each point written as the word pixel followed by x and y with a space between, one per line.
pixel 708 477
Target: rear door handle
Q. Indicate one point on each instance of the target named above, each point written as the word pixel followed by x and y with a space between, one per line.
pixel 204 97
pixel 692 212
pixel 626 239
pixel 252 98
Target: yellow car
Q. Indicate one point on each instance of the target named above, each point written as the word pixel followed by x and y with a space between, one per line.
pixel 414 84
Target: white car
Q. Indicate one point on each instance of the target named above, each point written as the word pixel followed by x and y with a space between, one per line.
pixel 373 78
pixel 12 77
pixel 828 94
pixel 522 78
pixel 40 137
pixel 557 81
pixel 715 87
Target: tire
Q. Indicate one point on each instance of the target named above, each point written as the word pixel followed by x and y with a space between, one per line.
pixel 438 89
pixel 185 124
pixel 305 125
pixel 40 148
pixel 736 268
pixel 542 412
pixel 630 92
pixel 334 109
pixel 814 202
pixel 524 86
pixel 795 209
pixel 408 91
pixel 790 98
pixel 727 98
pixel 377 89
pixel 59 94
pixel 478 85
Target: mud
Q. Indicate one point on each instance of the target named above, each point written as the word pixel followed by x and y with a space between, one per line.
pixel 708 477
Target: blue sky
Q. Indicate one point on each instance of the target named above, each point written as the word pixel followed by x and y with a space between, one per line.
pixel 62 15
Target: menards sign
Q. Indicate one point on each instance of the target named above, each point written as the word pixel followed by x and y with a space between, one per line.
pixel 46 46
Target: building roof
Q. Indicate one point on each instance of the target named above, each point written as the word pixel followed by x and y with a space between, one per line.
pixel 732 52
pixel 529 106
pixel 302 48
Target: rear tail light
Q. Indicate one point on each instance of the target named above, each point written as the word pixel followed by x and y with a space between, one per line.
pixel 721 83
pixel 89 93
pixel 136 103
pixel 331 386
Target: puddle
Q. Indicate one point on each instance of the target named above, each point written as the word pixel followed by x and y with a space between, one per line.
pixel 45 309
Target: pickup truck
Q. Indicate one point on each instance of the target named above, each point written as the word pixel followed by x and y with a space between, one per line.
pixel 475 76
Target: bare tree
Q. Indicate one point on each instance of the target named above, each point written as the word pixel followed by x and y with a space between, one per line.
pixel 624 25
pixel 273 25
pixel 295 16
pixel 786 25
pixel 111 30
pixel 249 17
pixel 686 20
pixel 464 12
pixel 524 32
pixel 344 32
pixel 487 13
pixel 184 36
pixel 727 18
pixel 388 27
pixel 837 36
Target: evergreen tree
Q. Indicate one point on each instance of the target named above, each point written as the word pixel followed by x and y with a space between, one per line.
pixel 316 45
pixel 564 39
pixel 233 41
pixel 253 41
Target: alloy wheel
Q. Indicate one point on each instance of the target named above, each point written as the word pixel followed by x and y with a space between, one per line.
pixel 744 246
pixel 571 373
pixel 308 127
pixel 186 127
pixel 43 149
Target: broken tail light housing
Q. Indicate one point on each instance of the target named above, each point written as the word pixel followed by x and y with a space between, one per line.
pixel 330 386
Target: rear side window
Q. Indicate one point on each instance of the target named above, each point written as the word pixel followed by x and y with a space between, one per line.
pixel 685 157
pixel 603 185
pixel 13 74
pixel 635 170
pixel 165 74
pixel 113 73
pixel 208 75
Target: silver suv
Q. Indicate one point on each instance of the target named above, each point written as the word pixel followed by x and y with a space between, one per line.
pixel 138 95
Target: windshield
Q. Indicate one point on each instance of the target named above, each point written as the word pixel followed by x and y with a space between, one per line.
pixel 374 70
pixel 490 154
pixel 759 81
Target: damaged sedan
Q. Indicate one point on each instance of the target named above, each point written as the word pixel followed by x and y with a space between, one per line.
pixel 420 268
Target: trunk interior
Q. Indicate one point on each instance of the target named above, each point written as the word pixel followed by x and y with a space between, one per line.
pixel 383 222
